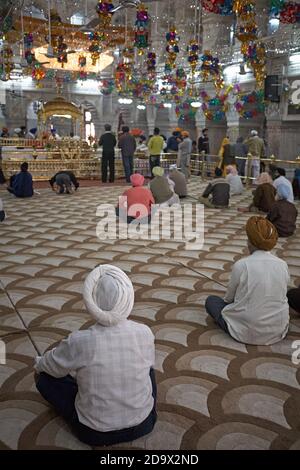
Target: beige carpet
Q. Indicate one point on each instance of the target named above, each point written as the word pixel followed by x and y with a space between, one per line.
pixel 213 393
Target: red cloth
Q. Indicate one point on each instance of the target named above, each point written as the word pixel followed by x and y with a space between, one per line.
pixel 139 195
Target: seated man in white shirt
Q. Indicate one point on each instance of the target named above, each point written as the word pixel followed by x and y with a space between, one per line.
pixel 255 308
pixel 281 179
pixel 111 398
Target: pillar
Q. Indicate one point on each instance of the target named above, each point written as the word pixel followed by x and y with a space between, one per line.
pixel 151 112
pixel 233 123
pixel 273 134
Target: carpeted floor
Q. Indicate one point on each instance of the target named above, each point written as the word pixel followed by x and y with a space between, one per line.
pixel 213 393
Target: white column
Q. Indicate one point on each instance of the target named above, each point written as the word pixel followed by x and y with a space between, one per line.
pixel 273 129
pixel 200 122
pixel 151 113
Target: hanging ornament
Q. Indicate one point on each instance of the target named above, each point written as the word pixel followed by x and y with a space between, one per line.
pixel 81 61
pixel 141 29
pixel 28 52
pixel 193 57
pixel 172 49
pixel 255 58
pixel 38 74
pixel 211 69
pixel 220 7
pixel 255 98
pixel 6 64
pixel 106 87
pixel 60 48
pixel 151 63
pixel 95 48
pixel 105 13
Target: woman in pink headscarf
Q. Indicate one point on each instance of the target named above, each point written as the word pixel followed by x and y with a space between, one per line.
pixel 135 202
pixel 263 196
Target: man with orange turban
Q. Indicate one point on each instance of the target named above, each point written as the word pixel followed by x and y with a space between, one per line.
pixel 255 308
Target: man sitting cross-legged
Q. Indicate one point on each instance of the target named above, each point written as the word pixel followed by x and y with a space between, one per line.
pixel 101 380
pixel 255 308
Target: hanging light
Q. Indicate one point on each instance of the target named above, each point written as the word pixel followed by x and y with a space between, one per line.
pixel 196 104
pixel 125 100
pixel 167 105
pixel 141 106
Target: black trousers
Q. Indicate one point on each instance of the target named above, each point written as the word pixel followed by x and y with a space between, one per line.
pixel 154 160
pixel 108 159
pixel 61 393
pixel 293 296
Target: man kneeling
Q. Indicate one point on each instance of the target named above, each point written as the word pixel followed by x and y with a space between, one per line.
pixel 255 308
pixel 112 397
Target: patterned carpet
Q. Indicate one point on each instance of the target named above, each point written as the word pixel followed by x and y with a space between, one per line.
pixel 213 392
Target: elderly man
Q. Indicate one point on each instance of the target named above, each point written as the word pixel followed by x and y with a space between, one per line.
pixel 112 399
pixel 180 186
pixel 283 214
pixel 256 147
pixel 184 154
pixel 255 308
pixel 217 193
pixel 161 190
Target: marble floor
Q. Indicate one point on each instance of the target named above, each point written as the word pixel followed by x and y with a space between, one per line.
pixel 213 392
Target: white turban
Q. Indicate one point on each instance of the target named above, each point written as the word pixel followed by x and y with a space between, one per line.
pixel 254 132
pixel 108 295
pixel 173 167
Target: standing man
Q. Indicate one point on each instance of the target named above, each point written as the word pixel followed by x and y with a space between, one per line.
pixel 184 154
pixel 203 142
pixel 108 142
pixel 155 146
pixel 256 147
pixel 127 144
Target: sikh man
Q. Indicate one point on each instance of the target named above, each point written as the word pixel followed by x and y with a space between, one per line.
pixel 255 309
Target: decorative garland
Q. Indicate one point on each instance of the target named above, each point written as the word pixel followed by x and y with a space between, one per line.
pixel 287 12
pixel 193 55
pixel 95 48
pixel 141 29
pixel 172 49
pixel 255 57
pixel 220 7
pixel 107 87
pixel 209 105
pixel 6 65
pixel 211 68
pixel 38 74
pixel 82 61
pixel 61 50
pixel 105 13
pixel 151 63
pixel 255 97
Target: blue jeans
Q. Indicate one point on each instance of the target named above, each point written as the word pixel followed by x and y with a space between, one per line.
pixel 214 306
pixel 128 167
pixel 61 394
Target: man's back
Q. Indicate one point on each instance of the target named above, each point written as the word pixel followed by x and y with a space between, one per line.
pixel 258 311
pixel 256 146
pixel 108 142
pixel 127 144
pixel 156 144
pixel 160 189
pixel 180 182
pixel 219 188
pixel 22 184
pixel 287 183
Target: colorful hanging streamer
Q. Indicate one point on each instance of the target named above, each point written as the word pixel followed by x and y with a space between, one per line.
pixel 255 98
pixel 287 12
pixel 219 7
pixel 105 13
pixel 193 54
pixel 28 52
pixel 141 29
pixel 172 49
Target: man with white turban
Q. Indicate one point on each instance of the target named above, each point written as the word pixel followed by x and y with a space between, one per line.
pixel 112 397
pixel 180 186
pixel 256 148
pixel 255 308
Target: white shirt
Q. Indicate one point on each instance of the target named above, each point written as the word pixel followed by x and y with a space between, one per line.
pixel 236 185
pixel 287 183
pixel 258 312
pixel 112 367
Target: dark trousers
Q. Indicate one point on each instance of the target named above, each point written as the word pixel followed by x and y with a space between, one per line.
pixel 128 167
pixel 214 306
pixel 154 160
pixel 61 394
pixel 293 296
pixel 108 159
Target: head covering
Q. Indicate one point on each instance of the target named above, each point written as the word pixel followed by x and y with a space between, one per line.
pixel 108 295
pixel 158 171
pixel 185 134
pixel 173 167
pixel 265 178
pixel 137 179
pixel 283 191
pixel 254 132
pixel 231 170
pixel 261 233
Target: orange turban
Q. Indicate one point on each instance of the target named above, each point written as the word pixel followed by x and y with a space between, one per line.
pixel 261 233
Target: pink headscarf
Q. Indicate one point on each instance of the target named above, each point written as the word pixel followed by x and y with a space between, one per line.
pixel 137 179
pixel 265 178
pixel 231 170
